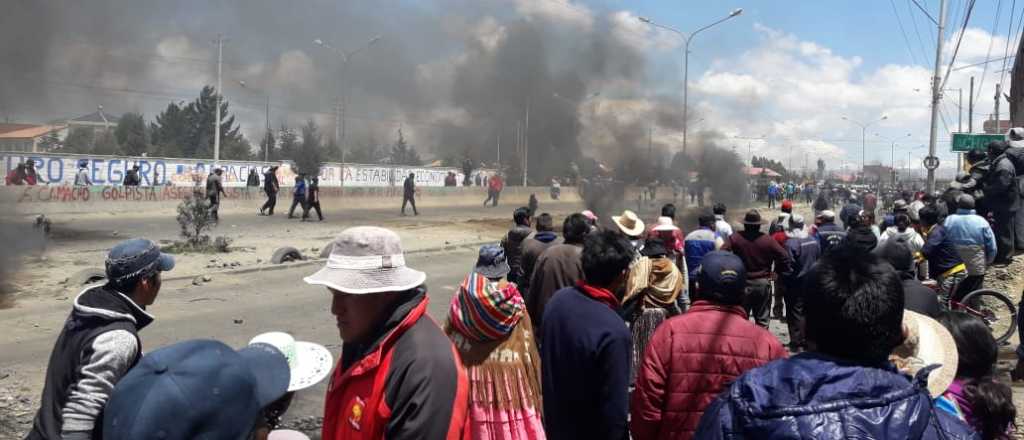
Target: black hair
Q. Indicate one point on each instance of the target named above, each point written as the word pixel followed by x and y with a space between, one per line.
pixel 606 255
pixel 521 216
pixel 991 401
pixel 575 228
pixel 544 222
pixel 127 286
pixel 669 210
pixel 706 220
pixel 929 214
pixel 902 221
pixel 719 208
pixel 412 175
pixel 897 253
pixel 856 312
pixel 975 156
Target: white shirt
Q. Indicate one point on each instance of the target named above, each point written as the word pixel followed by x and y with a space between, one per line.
pixel 722 227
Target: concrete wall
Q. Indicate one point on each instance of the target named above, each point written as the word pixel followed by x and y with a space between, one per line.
pixel 33 200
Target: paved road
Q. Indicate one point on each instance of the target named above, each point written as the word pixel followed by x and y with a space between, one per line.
pixel 231 308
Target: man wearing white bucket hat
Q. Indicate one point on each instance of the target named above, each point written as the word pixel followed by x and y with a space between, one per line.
pixel 308 364
pixel 399 375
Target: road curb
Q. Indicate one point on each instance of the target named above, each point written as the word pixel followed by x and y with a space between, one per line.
pixel 312 261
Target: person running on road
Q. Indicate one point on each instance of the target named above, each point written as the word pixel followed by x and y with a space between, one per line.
pixel 313 200
pixel 298 195
pixel 271 187
pixel 409 193
pixel 214 189
pixel 494 187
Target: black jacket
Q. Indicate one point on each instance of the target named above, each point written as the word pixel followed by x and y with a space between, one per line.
pixel 513 245
pixel 270 182
pixel 97 346
pixel 131 178
pixel 410 186
pixel 1001 192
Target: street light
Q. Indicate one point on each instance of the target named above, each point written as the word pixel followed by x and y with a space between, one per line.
pixel 266 147
pixel 340 101
pixel 686 58
pixel 863 137
pixel 892 154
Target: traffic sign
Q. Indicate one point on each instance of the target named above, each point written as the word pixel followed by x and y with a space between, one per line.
pixel 931 162
pixel 964 142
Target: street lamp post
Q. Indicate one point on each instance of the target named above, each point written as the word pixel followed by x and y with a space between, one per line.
pixel 266 147
pixel 686 58
pixel 863 138
pixel 340 101
pixel 892 154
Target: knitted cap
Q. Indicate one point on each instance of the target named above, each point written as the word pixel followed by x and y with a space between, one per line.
pixel 483 312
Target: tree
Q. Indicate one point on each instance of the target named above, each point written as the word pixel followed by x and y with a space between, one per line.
pixel 195 219
pixel 79 140
pixel 169 133
pixel 288 147
pixel 236 149
pixel 274 153
pixel 106 144
pixel 311 153
pixel 202 114
pixel 51 142
pixel 403 153
pixel 131 134
pixel 368 151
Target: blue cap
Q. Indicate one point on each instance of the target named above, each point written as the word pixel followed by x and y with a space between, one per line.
pixel 136 258
pixel 196 389
pixel 723 272
pixel 491 262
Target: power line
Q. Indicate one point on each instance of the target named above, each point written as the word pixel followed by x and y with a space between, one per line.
pixel 1009 38
pixel 991 42
pixel 963 29
pixel 906 40
pixel 925 12
pixel 920 41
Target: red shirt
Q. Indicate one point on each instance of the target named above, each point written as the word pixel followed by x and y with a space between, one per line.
pixel 496 183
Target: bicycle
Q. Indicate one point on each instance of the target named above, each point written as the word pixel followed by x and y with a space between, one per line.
pixel 993 307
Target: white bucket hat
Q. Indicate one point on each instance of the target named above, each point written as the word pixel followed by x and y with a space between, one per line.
pixel 927 343
pixel 365 260
pixel 666 224
pixel 309 363
pixel 629 223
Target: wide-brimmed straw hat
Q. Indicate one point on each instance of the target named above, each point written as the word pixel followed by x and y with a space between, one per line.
pixel 629 223
pixel 927 343
pixel 366 260
pixel 309 363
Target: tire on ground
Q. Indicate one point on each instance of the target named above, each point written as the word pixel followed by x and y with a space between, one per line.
pixel 286 254
pixel 87 276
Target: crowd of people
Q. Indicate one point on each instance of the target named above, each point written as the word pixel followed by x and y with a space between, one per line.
pixel 612 329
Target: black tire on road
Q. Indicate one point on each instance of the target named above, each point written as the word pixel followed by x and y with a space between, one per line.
pixel 286 254
pixel 85 277
pixel 996 309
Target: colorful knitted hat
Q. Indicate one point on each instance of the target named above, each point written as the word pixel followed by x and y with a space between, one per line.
pixel 483 312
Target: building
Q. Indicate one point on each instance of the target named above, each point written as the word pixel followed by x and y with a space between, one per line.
pixel 990 126
pixel 95 120
pixel 26 137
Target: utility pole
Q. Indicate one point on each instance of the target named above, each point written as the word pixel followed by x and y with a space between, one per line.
pixel 936 96
pixel 266 151
pixel 526 142
pixel 220 92
pixel 970 108
pixel 650 143
pixel 499 149
pixel 999 91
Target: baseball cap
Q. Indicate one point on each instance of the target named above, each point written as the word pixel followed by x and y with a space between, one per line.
pixel 196 389
pixel 136 258
pixel 722 271
pixel 787 204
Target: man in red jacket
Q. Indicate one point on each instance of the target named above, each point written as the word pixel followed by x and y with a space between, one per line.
pixel 693 356
pixel 494 187
pixel 399 375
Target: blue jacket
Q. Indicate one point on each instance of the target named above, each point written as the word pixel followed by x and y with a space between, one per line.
pixel 696 245
pixel 300 188
pixel 940 252
pixel 585 361
pixel 972 237
pixel 812 396
pixel 805 251
pixel 830 237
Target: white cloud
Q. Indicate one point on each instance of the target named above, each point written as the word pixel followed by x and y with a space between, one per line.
pixel 559 11
pixel 796 92
pixel 627 27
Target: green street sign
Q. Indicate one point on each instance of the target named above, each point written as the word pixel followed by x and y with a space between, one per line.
pixel 964 142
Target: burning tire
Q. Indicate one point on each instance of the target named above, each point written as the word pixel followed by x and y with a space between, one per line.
pixel 87 276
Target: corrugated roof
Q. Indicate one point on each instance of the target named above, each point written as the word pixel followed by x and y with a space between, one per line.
pixel 6 128
pixel 31 132
pixel 95 117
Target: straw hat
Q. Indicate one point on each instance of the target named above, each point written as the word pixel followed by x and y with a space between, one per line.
pixel 927 343
pixel 629 223
pixel 665 224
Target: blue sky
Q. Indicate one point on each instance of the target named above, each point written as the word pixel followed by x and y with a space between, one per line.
pixel 847 58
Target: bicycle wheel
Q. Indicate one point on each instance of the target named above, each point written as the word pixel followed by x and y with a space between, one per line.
pixel 995 309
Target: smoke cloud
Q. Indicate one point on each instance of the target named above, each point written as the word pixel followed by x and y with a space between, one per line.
pixel 458 76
